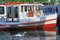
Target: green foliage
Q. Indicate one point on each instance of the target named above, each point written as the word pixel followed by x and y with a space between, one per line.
pixel 1 0
pixel 52 1
pixel 22 0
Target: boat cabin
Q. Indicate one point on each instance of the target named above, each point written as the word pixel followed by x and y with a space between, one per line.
pixel 15 13
pixel 12 12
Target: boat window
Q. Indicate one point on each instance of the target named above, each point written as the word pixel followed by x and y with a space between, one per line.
pixel 56 9
pixel 36 8
pixel 15 12
pixel 9 12
pixel 39 8
pixel 1 10
pixel 39 11
pixel 25 8
pixel 30 7
pixel 30 11
pixel 47 10
pixel 21 8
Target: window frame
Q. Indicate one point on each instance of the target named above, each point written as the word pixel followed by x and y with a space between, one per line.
pixel 3 10
pixel 22 8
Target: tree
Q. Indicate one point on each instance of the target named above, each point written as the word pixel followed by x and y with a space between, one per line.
pixel 23 0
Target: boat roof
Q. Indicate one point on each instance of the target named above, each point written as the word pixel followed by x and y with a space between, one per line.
pixel 20 3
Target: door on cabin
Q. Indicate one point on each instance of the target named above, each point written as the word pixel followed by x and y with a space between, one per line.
pixel 12 13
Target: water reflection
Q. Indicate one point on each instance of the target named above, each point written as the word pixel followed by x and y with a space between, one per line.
pixel 23 35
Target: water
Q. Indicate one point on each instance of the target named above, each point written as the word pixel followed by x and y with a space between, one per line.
pixel 11 35
pixel 19 35
pixel 8 35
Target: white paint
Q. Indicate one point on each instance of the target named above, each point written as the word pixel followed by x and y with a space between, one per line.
pixel 42 23
pixel 35 19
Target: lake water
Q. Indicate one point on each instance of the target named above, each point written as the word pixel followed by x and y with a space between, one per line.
pixel 9 35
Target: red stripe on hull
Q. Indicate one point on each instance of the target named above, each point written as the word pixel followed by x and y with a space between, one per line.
pixel 46 27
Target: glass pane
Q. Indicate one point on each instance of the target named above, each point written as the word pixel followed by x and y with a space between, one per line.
pixel 30 8
pixel 56 9
pixel 48 10
pixel 25 8
pixel 21 8
pixel 15 12
pixel 1 10
pixel 39 8
pixel 9 12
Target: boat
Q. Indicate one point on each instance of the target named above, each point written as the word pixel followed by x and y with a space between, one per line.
pixel 28 16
